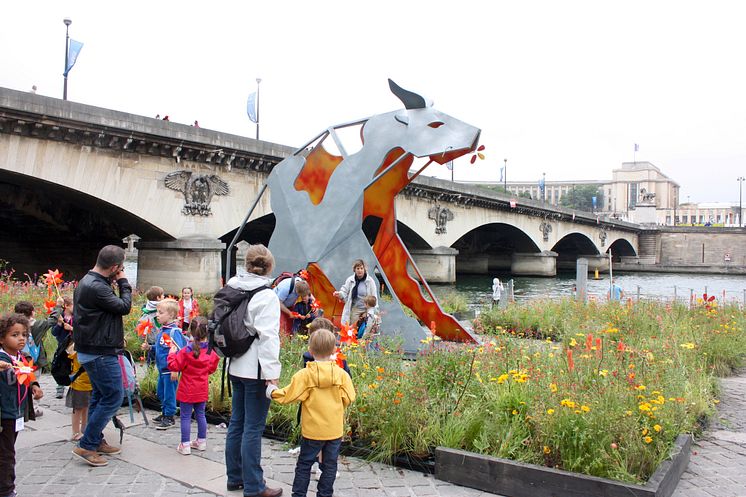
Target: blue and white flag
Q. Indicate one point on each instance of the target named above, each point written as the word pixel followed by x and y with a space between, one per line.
pixel 594 200
pixel 72 54
pixel 449 165
pixel 502 171
pixel 251 108
pixel 541 184
pixel 637 147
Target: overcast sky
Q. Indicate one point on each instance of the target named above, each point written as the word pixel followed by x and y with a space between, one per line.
pixel 561 87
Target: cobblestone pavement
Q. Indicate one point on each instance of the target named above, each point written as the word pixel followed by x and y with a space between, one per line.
pixel 717 467
pixel 150 466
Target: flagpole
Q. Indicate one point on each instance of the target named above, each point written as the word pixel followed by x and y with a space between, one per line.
pixel 258 80
pixel 505 176
pixel 67 22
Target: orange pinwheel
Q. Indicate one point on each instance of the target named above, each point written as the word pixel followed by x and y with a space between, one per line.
pixel 144 328
pixel 24 369
pixel 340 358
pixel 49 305
pixel 348 334
pixel 53 277
pixel 295 315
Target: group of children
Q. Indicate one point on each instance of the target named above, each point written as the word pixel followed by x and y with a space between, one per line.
pixel 176 345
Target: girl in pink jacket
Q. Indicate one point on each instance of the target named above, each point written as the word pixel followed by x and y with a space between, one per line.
pixel 195 366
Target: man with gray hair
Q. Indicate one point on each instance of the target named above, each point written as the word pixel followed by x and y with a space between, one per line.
pixel 98 333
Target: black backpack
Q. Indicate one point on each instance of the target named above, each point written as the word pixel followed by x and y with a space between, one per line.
pixel 62 365
pixel 226 331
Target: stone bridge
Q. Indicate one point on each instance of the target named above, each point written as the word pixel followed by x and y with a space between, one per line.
pixel 74 177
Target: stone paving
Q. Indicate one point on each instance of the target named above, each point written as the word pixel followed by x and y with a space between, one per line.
pixel 150 466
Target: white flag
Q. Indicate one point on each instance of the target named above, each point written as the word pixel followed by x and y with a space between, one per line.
pixel 251 108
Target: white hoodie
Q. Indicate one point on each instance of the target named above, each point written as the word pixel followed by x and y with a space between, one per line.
pixel 264 314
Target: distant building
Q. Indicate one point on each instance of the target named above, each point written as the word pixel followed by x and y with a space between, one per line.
pixel 638 192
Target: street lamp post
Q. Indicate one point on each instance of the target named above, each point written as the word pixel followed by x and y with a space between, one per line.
pixel 67 22
pixel 544 187
pixel 505 176
pixel 740 201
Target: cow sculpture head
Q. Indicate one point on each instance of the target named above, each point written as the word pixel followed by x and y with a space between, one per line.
pixel 320 200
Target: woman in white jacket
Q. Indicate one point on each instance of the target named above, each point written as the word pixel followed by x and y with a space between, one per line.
pixel 357 286
pixel 250 374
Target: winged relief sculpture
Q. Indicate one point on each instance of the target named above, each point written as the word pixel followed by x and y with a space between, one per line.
pixel 198 190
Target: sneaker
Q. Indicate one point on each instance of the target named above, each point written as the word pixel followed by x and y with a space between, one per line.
pixel 166 423
pixel 105 448
pixel 90 456
pixel 60 392
pixel 184 449
pixel 199 444
pixel 158 418
pixel 38 413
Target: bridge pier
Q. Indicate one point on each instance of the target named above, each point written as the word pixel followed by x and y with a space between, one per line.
pixel 172 265
pixel 437 265
pixel 600 262
pixel 542 264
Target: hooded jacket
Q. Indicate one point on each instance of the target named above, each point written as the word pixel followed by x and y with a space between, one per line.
pixel 262 360
pixel 346 290
pixel 324 389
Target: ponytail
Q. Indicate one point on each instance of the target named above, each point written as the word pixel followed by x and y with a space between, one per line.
pixel 198 329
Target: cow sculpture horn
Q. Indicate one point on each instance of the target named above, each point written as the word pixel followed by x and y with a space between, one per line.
pixel 410 99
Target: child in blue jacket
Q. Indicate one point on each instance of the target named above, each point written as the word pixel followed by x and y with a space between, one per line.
pixel 167 313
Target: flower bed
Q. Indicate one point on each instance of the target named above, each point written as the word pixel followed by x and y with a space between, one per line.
pixel 605 393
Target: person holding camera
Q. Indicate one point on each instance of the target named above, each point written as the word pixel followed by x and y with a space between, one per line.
pixel 98 333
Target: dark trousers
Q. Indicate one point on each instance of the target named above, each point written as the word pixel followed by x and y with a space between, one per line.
pixel 309 454
pixel 8 457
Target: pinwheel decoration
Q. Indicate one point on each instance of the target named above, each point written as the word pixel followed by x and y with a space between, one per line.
pixel 24 369
pixel 348 334
pixel 144 328
pixel 479 154
pixel 340 358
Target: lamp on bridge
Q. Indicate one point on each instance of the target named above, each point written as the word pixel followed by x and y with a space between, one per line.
pixel 740 200
pixel 67 22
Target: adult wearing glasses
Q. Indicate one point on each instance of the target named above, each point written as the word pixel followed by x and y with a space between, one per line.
pixel 98 333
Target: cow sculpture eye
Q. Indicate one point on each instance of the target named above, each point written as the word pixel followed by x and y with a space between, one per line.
pixel 436 124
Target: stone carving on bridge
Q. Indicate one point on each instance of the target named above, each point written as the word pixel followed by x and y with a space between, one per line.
pixel 545 228
pixel 198 190
pixel 441 215
pixel 602 236
pixel 320 200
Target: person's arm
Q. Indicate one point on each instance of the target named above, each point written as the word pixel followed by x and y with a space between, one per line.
pixel 264 309
pixel 348 391
pixel 344 292
pixel 296 391
pixel 176 361
pixel 107 300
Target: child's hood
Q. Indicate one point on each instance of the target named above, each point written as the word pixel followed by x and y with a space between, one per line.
pixel 325 374
pixel 150 306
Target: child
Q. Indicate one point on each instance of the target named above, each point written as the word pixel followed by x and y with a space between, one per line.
pixel 324 391
pixel 321 324
pixel 188 307
pixel 369 322
pixel 14 328
pixel 78 395
pixel 62 331
pixel 38 329
pixel 154 295
pixel 304 308
pixel 167 313
pixel 195 365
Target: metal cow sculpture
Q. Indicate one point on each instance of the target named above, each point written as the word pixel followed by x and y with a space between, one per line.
pixel 320 201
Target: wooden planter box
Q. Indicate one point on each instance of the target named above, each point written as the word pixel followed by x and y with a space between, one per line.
pixel 515 479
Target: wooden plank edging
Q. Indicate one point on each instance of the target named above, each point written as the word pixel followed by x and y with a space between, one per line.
pixel 516 479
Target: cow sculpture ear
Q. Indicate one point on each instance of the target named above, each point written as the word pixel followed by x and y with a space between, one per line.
pixel 410 99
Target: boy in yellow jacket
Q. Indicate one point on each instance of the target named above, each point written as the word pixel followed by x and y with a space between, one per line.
pixel 324 389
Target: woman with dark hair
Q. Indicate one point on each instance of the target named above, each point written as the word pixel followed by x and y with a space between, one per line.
pixel 250 374
pixel 354 290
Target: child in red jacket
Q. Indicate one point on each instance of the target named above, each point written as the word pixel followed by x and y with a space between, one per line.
pixel 196 366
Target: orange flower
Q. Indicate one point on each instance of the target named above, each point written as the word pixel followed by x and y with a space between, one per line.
pixel 570 362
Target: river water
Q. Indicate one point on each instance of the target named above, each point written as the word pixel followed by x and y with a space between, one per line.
pixel 658 286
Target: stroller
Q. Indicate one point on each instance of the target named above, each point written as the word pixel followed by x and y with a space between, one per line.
pixel 131 392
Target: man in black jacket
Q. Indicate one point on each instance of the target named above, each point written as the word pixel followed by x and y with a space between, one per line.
pixel 98 333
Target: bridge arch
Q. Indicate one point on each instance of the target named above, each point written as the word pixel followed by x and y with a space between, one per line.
pixel 45 224
pixel 570 247
pixel 621 248
pixel 490 247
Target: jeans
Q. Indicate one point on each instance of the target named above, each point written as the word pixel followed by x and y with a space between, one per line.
pixel 106 398
pixel 309 453
pixel 166 392
pixel 186 421
pixel 243 442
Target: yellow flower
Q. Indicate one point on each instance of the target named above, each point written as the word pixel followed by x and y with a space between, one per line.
pixel 550 411
pixel 640 387
pixel 648 439
pixel 604 372
pixel 688 345
pixel 553 387
pixel 573 343
pixel 657 428
pixel 547 450
pixel 585 408
pixel 502 379
pixel 515 412
pixel 644 431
